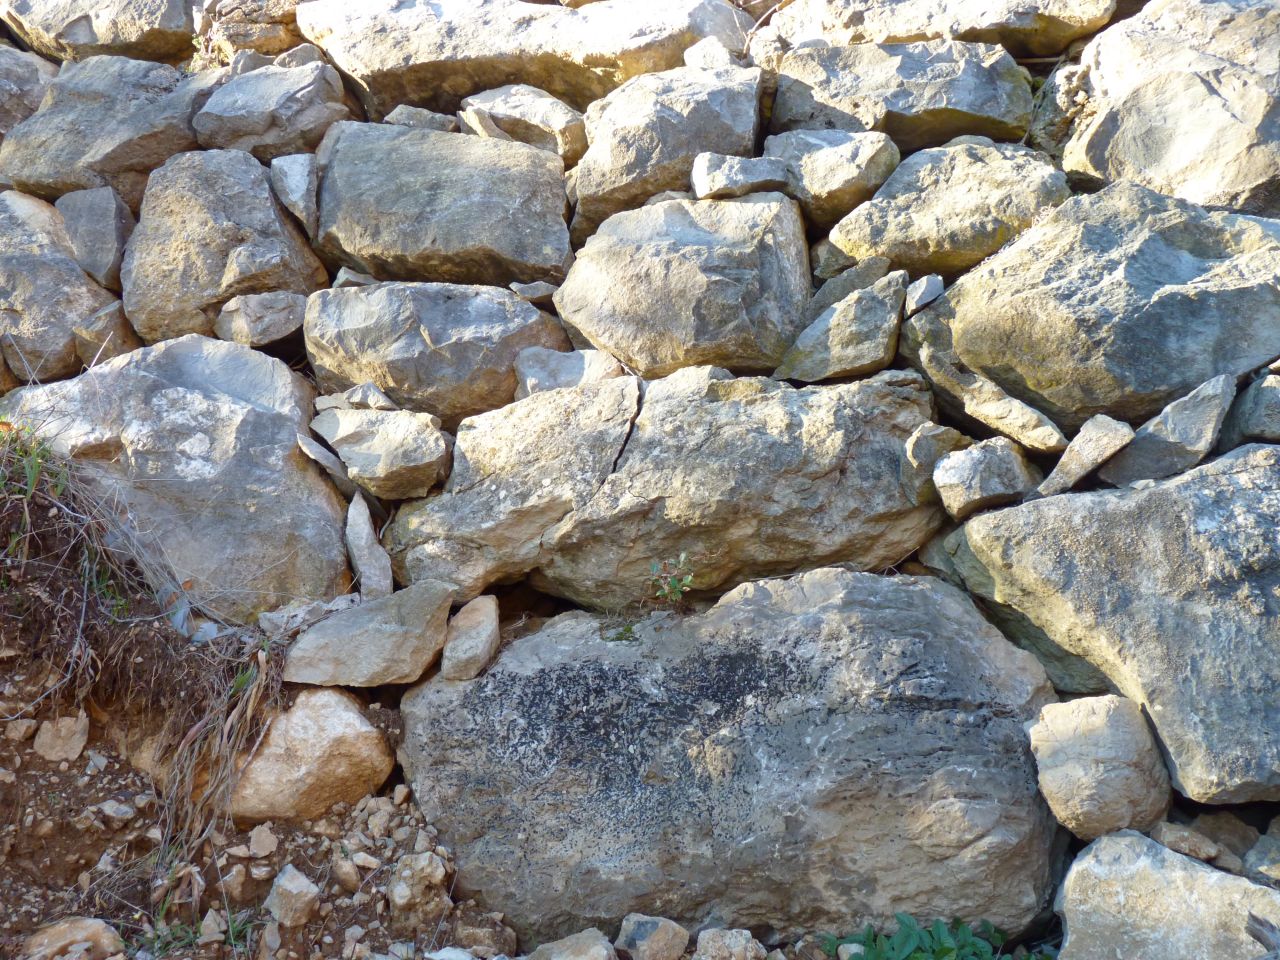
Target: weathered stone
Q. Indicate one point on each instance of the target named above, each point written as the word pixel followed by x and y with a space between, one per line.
pixel 363 396
pixel 532 116
pixel 266 26
pixel 256 319
pixel 828 260
pixel 718 944
pixel 417 893
pixel 105 335
pixel 402 177
pixel 439 348
pixel 1255 414
pixel 921 293
pixel 210 230
pixel 473 640
pixel 295 181
pixel 1227 830
pixel 587 945
pixel 78 29
pixel 718 177
pixel 393 454
pixel 1178 438
pixel 273 111
pixel 63 738
pixel 246 61
pixel 1127 896
pixel 1098 441
pixel 369 560
pixel 293 898
pixel 988 474
pixel 196 441
pixel 829 172
pixel 921 94
pixel 407 116
pixel 98 224
pixel 319 752
pixel 684 283
pixel 652 938
pixel 855 337
pixel 1183 839
pixel 710 53
pixel 392 639
pixel 928 444
pixel 434 52
pixel 23 79
pixel 646 134
pixel 1143 581
pixel 539 368
pixel 331 465
pixel 947 209
pixel 1262 862
pixel 818 696
pixel 832 291
pixel 85 938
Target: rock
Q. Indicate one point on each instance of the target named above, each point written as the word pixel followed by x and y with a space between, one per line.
pixel 20 730
pixel 44 294
pixel 1184 840
pixel 417 893
pixel 79 29
pixel 473 640
pixel 1262 862
pixel 294 181
pixel 196 440
pixel 1127 896
pixel 401 177
pixel 86 938
pixel 407 116
pixel 646 135
pixel 856 337
pixel 1176 440
pixel 829 172
pixel 652 938
pixel 392 639
pixel 821 467
pixel 98 224
pixel 256 319
pixel 1227 830
pixel 1116 303
pixel 1216 61
pixel 540 368
pixel 715 944
pixel 439 348
pixel 210 230
pixel 947 209
pixel 988 474
pixel 1138 581
pixel 1100 768
pixel 105 336
pixel 1097 442
pixel 928 444
pixel 246 61
pixel 832 291
pixel 65 145
pixel 920 94
pixel 319 752
pixel 532 116
pixel 63 738
pixel 684 283
pixel 363 396
pixel 293 898
pixel 434 53
pixel 266 26
pixel 840 685
pixel 1255 414
pixel 717 177
pixel 710 53
pixel 394 455
pixel 273 111
pixel 23 78
pixel 331 465
pixel 369 561
pixel 921 293
pixel 828 260
pixel 587 945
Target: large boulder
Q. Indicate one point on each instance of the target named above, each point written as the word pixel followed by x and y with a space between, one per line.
pixel 1168 590
pixel 23 79
pixel 210 229
pixel 195 441
pixel 78 29
pixel 495 208
pixel 1184 98
pixel 682 283
pixel 746 477
pixel 1113 303
pixel 433 53
pixel 811 753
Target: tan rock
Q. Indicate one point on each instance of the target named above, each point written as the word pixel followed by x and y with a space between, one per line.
pixel 266 26
pixel 830 172
pixel 472 641
pixel 1099 439
pixel 587 945
pixel 393 454
pixel 1227 830
pixel 716 944
pixel 1185 840
pixel 63 738
pixel 86 938
pixel 293 898
pixel 256 319
pixel 418 893
pixel 521 112
pixel 369 561
pixel 853 338
pixel 78 29
pixel 652 938
pixel 987 474
pixel 25 77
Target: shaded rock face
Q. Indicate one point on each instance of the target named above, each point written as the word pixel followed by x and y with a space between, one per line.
pixel 196 439
pixel 78 29
pixel 774 762
pixel 267 26
pixel 23 79
pixel 432 53
pixel 402 177
pixel 1143 582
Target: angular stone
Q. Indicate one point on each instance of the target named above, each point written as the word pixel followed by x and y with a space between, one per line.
pixel 417 894
pixel 829 260
pixel 105 335
pixel 265 26
pixel 1097 442
pixel 652 938
pixel 63 738
pixel 829 172
pixel 921 94
pixel 439 348
pixel 821 673
pixel 99 225
pixel 855 337
pixel 79 29
pixel 402 177
pixel 407 116
pixel 718 944
pixel 293 898
pixel 369 560
pixel 295 182
pixel 393 454
pixel 1255 414
pixel 364 396
pixel 532 116
pixel 1183 839
pixel 832 291
pixel 85 938
pixel 331 465
pixel 196 441
pixel 473 640
pixel 256 319
pixel 23 78
pixel 718 177
pixel 434 52
pixel 587 945
pixel 1262 862
pixel 923 292
pixel 684 283
pixel 539 368
pixel 1176 440
pixel 988 474
pixel 928 444
pixel 947 209
pixel 1227 830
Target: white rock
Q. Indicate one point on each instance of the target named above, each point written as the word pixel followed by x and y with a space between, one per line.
pixel 393 454
pixel 587 945
pixel 472 641
pixel 853 338
pixel 63 738
pixel 987 474
pixel 921 293
pixel 716 944
pixel 830 172
pixel 718 177
pixel 293 898
pixel 532 116
pixel 294 180
pixel 256 319
pixel 369 561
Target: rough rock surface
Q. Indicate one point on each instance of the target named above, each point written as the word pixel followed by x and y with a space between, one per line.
pixel 829 172
pixel 774 761
pixel 718 177
pixel 652 938
pixel 521 112
pixel 1255 415
pixel 257 319
pixel 78 29
pixel 83 937
pixel 540 368
pixel 1098 440
pixel 472 641
pixel 369 561
pixel 296 183
pixel 854 337
pixel 24 76
pixel 99 225
pixel 265 26
pixel 987 474
pixel 393 454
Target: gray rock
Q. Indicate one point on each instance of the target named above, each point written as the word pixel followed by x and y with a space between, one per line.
pixel 402 177
pixel 79 29
pixel 1176 440
pixel 293 898
pixel 1255 414
pixel 301 54
pixel 652 938
pixel 369 561
pixel 246 61
pixel 829 172
pixel 295 181
pixel 709 53
pixel 832 291
pixel 988 474
pixel 921 94
pixel 423 119
pixel 364 396
pixel 1098 441
pixel 335 468
pixel 438 348
pixel 928 444
pixel 256 319
pixel 1262 862
pixel 540 292
pixel 855 337
pixel 473 640
pixel 710 761
pixel 346 277
pixel 99 225
pixel 1227 830
pixel 538 368
pixel 921 293
pixel 521 112
pixel 393 454
pixel 718 177
pixel 23 79
pixel 683 283
pixel 105 335
pixel 828 260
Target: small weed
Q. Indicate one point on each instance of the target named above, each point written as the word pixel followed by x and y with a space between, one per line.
pixel 624 634
pixel 939 941
pixel 670 580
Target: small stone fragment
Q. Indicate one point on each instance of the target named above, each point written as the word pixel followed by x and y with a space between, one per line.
pixel 417 894
pixel 369 561
pixel 1262 862
pixel 1185 840
pixel 728 945
pixel 830 172
pixel 84 938
pixel 652 938
pixel 529 115
pixel 1255 414
pixel 922 293
pixel 987 474
pixel 63 738
pixel 294 179
pixel 539 292
pixel 99 224
pixel 407 116
pixel 393 454
pixel 853 338
pixel 256 319
pixel 105 335
pixel 719 177
pixel 473 639
pixel 293 898
pixel 1099 440
pixel 538 368
pixel 587 945
pixel 262 842
pixel 928 444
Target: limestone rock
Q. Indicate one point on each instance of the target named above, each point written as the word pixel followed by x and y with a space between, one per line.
pixel 392 639
pixel 473 640
pixel 99 939
pixel 402 177
pixel 1255 414
pixel 1098 441
pixel 828 260
pixel 1114 303
pixel 394 454
pixel 256 319
pixel 417 893
pixel 23 79
pixel 319 752
pixel 407 116
pixel 1100 768
pixel 832 171
pixel 652 938
pixel 1183 839
pixel 645 136
pixel 434 52
pixel 295 182
pixel 79 29
pixel 923 292
pixel 855 337
pixel 532 116
pixel 718 177
pixel 272 111
pixel 293 898
pixel 540 368
pixel 1227 830
pixel 859 277
pixel 266 26
pixel 439 348
pixel 947 209
pixel 816 696
pixel 196 439
pixel 928 444
pixel 98 224
pixel 988 474
pixel 587 945
pixel 921 94
pixel 105 335
pixel 63 738
pixel 1142 581
pixel 369 561
pixel 683 283
pixel 717 944
pixel 1262 862
pixel 210 230
pixel 1127 896
pixel 363 396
